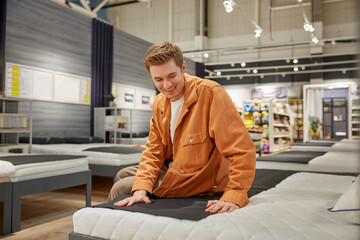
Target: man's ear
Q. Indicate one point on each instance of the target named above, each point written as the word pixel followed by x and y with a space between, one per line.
pixel 183 67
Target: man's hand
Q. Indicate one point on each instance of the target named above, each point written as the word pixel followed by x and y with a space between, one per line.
pixel 216 206
pixel 137 197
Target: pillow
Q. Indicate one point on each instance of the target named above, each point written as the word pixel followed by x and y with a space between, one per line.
pixel 77 140
pixel 97 140
pixel 56 140
pixel 348 205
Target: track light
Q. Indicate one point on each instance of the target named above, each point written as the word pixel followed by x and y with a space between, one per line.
pixel 257 31
pixel 255 71
pixel 296 69
pixel 243 64
pixel 229 5
pixel 295 61
pixel 218 73
pixel 315 39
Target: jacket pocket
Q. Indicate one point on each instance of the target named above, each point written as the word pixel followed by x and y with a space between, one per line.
pixel 195 138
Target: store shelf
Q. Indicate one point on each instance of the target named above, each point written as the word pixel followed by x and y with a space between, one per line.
pixel 12 124
pixel 280 129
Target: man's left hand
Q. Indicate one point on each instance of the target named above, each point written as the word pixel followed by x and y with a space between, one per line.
pixel 216 206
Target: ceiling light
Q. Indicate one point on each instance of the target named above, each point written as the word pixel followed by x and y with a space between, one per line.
pixel 206 55
pixel 243 64
pixel 257 31
pixel 227 78
pixel 229 6
pixel 248 70
pixel 261 76
pixel 283 75
pixel 333 42
pixel 295 61
pixel 315 40
pixel 303 67
pixel 344 71
pixel 299 1
pixel 296 69
pixel 232 64
pixel 218 73
pixel 255 71
pixel 241 77
pixel 287 60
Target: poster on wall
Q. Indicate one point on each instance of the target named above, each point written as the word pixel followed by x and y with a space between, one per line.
pixel 144 98
pixel 124 96
pixel 46 85
pixel 19 81
pixel 269 93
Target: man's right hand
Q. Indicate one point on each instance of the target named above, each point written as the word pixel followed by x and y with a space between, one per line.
pixel 138 197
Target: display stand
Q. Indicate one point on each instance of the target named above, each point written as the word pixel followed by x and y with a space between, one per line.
pixel 12 124
pixel 280 129
pixel 355 119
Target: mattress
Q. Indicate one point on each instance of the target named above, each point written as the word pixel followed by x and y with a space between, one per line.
pixel 45 168
pixel 291 156
pixel 294 209
pixel 330 162
pixel 352 146
pixel 97 158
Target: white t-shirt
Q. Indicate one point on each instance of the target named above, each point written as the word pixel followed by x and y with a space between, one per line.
pixel 175 114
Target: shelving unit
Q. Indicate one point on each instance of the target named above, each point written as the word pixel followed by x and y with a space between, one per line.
pixel 296 106
pixel 280 129
pixel 355 119
pixel 110 122
pixel 335 120
pixel 12 124
pixel 255 115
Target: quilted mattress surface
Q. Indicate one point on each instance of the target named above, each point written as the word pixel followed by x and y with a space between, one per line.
pixel 295 209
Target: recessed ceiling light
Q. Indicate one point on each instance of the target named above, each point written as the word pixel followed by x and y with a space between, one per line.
pixel 295 61
pixel 255 71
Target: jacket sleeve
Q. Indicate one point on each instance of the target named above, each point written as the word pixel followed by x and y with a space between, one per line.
pixel 152 158
pixel 234 142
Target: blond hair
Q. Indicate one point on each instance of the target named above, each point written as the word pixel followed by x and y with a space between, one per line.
pixel 160 53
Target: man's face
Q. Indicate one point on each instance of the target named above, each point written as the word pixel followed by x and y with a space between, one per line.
pixel 169 79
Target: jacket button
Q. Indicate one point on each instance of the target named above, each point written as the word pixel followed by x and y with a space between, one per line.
pixel 191 140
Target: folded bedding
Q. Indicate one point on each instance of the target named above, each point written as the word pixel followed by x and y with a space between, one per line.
pixel 291 157
pixel 296 208
pixel 7 169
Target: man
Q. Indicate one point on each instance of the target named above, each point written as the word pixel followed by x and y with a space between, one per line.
pixel 197 143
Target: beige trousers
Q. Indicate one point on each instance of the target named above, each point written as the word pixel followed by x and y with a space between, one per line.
pixel 124 181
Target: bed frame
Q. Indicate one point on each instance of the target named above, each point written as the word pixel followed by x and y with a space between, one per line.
pixel 107 170
pixel 5 196
pixel 77 236
pixel 16 190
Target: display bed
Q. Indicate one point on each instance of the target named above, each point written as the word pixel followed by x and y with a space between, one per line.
pixel 104 159
pixel 291 157
pixel 330 162
pixel 296 208
pixel 36 174
pixel 343 145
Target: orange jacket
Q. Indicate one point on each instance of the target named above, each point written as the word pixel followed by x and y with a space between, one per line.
pixel 212 149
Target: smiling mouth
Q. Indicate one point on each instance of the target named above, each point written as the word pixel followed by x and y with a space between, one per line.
pixel 169 91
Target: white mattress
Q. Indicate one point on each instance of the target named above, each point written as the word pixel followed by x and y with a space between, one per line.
pixel 295 209
pixel 98 158
pixel 330 162
pixel 47 169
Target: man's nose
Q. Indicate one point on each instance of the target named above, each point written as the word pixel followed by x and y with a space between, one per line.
pixel 167 84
